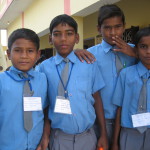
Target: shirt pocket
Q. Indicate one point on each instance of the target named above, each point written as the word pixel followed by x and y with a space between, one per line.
pixel 82 84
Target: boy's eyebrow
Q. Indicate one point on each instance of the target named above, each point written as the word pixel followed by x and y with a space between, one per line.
pixel 114 25
pixel 65 30
pixel 22 47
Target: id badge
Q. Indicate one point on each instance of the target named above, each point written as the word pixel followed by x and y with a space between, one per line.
pixel 32 103
pixel 140 120
pixel 62 105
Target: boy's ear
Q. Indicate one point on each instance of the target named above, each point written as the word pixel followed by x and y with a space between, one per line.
pixel 77 38
pixel 50 39
pixel 99 29
pixel 8 54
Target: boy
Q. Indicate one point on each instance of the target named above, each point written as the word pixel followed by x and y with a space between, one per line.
pixel 17 93
pixel 132 98
pixel 111 25
pixel 71 110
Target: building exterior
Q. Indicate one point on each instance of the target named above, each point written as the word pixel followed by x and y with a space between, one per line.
pixel 37 14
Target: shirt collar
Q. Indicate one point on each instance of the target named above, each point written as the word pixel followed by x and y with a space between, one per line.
pixel 72 57
pixel 142 70
pixel 16 71
pixel 106 47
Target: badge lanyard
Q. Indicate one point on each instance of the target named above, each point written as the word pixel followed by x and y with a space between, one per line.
pixel 65 87
pixel 24 79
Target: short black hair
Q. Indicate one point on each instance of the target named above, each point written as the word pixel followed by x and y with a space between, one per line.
pixel 109 11
pixel 141 33
pixel 63 19
pixel 25 34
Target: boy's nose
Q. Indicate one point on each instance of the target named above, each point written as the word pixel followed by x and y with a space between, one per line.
pixel 113 31
pixel 63 37
pixel 24 54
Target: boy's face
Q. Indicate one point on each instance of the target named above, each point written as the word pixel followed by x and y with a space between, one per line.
pixel 64 38
pixel 23 54
pixel 143 50
pixel 111 27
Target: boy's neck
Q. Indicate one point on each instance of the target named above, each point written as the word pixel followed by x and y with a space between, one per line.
pixel 64 55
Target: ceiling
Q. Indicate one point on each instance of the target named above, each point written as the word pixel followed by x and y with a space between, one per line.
pixel 14 10
pixel 94 7
pixel 18 6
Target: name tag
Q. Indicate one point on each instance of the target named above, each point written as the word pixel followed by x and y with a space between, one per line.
pixel 32 103
pixel 62 105
pixel 142 119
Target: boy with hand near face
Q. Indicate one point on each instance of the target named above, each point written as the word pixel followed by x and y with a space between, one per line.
pixel 73 92
pixel 111 57
pixel 22 95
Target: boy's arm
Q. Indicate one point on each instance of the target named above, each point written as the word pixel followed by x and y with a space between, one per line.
pixel 46 132
pixel 124 47
pixel 102 142
pixel 115 142
pixel 83 54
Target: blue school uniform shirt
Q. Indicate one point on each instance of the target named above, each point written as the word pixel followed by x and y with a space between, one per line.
pixel 13 136
pixel 106 62
pixel 84 81
pixel 128 90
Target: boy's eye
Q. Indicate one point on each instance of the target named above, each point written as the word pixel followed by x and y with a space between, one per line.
pixel 30 50
pixel 118 26
pixel 56 34
pixel 143 46
pixel 69 33
pixel 107 27
pixel 17 50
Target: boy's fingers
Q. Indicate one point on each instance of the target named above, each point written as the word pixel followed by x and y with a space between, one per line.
pixel 80 58
pixel 39 147
pixel 85 58
pixel 90 56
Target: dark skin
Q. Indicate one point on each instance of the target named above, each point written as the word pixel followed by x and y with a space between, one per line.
pixel 63 38
pixel 112 31
pixel 123 47
pixel 102 141
pixel 115 143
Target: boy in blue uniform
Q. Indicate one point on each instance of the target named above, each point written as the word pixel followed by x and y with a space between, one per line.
pixel 111 25
pixel 132 96
pixel 72 111
pixel 15 132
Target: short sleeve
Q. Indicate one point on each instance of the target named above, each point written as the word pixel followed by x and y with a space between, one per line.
pixel 98 81
pixel 39 68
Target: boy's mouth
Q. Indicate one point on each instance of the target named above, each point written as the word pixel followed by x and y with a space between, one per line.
pixel 23 63
pixel 64 46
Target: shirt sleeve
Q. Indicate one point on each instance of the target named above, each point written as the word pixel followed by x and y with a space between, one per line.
pixel 119 90
pixel 39 68
pixel 98 82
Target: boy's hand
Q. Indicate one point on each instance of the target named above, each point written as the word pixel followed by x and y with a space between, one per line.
pixel 43 144
pixel 102 143
pixel 84 55
pixel 123 47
